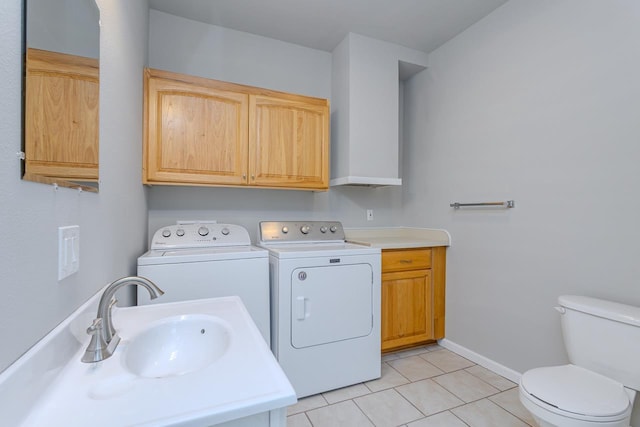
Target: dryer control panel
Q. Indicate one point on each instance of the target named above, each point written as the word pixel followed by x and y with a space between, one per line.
pixel 301 231
pixel 196 235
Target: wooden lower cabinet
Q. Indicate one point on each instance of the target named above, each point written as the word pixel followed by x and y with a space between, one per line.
pixel 406 306
pixel 412 297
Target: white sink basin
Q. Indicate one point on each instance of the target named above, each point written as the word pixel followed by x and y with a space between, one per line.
pixel 177 345
pixel 193 363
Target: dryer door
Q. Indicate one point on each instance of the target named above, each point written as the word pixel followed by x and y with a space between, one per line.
pixel 331 303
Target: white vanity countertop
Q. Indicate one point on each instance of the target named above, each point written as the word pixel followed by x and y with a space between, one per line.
pixel 398 237
pixel 246 380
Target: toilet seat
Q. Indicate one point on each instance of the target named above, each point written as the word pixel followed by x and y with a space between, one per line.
pixel 575 392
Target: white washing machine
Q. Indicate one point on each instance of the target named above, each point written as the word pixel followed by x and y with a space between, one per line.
pixel 325 312
pixel 193 261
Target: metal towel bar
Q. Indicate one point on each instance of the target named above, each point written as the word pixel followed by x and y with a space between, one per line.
pixel 506 204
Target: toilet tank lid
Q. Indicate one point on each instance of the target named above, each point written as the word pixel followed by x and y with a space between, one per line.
pixel 576 390
pixel 602 308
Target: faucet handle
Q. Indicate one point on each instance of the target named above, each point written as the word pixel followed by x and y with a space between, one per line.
pixel 95 326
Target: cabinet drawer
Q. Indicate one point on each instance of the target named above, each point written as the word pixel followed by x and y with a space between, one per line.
pixel 405 259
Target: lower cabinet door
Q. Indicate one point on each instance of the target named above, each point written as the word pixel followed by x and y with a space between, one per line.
pixel 407 316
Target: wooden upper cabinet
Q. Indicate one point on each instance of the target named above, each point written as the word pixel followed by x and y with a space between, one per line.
pixel 289 142
pixel 195 133
pixel 61 115
pixel 206 132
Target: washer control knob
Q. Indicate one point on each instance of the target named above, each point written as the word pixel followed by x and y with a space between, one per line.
pixel 180 232
pixel 285 229
pixel 333 228
pixel 323 229
pixel 203 231
pixel 305 229
pixel 225 231
pixel 166 233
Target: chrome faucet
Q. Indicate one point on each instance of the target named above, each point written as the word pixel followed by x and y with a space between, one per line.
pixel 104 338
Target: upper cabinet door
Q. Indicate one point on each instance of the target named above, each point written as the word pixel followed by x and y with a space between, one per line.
pixel 196 131
pixel 61 109
pixel 289 141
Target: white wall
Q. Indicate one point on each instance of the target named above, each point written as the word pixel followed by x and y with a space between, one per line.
pixel 67 26
pixel 540 103
pixel 190 47
pixel 365 106
pixel 112 222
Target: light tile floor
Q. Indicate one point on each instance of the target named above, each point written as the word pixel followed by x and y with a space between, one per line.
pixel 428 386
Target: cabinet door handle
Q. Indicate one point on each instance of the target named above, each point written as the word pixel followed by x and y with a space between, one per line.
pixel 244 176
pixel 406 261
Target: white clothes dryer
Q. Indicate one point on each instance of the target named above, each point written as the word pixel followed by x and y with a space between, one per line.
pixel 325 313
pixel 193 261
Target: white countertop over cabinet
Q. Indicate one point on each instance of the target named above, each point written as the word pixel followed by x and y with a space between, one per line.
pixel 398 237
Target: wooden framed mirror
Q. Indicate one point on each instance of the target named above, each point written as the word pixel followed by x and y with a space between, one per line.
pixel 61 93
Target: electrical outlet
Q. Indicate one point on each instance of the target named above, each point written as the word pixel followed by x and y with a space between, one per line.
pixel 68 250
pixel 369 214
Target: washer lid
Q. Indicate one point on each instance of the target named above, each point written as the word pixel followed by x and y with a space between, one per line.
pixel 180 256
pixel 574 389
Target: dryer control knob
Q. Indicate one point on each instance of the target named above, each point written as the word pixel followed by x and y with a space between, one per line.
pixel 285 229
pixel 305 229
pixel 323 229
pixel 225 231
pixel 166 233
pixel 203 231
pixel 179 232
pixel 333 228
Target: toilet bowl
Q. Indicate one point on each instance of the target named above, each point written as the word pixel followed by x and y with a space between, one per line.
pixel 571 396
pixel 598 387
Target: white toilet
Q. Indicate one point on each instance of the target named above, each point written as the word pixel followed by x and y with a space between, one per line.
pixel 599 386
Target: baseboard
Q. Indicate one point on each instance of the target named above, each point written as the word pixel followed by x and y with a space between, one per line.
pixel 481 360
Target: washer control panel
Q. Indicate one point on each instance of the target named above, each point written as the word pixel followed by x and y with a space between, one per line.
pixel 200 236
pixel 299 231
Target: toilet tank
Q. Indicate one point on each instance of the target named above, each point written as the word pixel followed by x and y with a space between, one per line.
pixel 603 336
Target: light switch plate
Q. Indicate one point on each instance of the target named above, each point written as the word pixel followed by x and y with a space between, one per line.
pixel 68 250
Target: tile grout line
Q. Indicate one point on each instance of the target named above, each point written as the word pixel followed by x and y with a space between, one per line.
pixel 365 414
pixel 461 420
pixel 506 409
pixel 419 352
pixel 499 391
pixel 431 378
